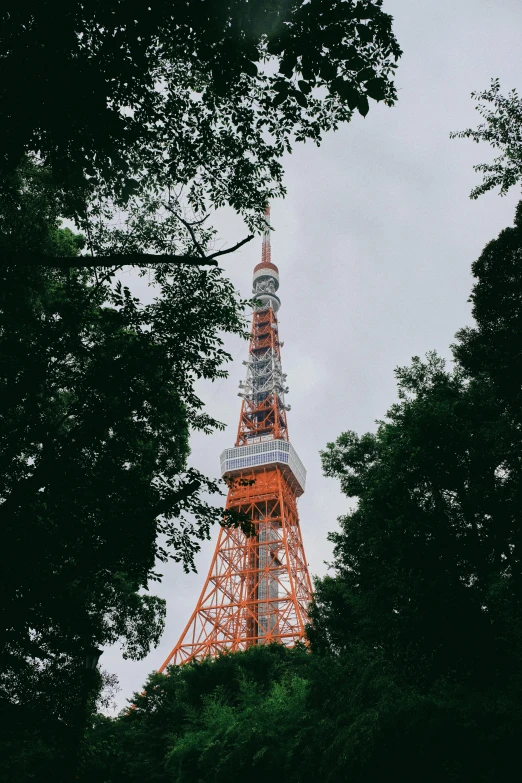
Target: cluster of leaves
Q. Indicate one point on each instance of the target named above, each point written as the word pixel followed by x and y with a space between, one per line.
pixel 502 130
pixel 98 393
pixel 41 729
pixel 212 721
pixel 202 95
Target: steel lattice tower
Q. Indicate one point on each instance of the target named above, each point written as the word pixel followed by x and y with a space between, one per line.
pixel 258 587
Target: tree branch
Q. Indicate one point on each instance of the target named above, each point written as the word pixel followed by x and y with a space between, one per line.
pixel 233 248
pixel 189 228
pixel 181 494
pixel 191 231
pixel 103 280
pixel 10 258
pixel 22 258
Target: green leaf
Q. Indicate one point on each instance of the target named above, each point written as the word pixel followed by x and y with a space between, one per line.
pixel 301 99
pixel 332 35
pixel 365 74
pixel 279 99
pixel 278 43
pixel 307 69
pixel 362 105
pixel 287 66
pixel 376 89
pixel 280 86
pixel 129 188
pixel 364 12
pixel 250 68
pixel 304 86
pixel 355 63
pixel 328 71
pixel 365 33
pixel 347 91
pixel 275 47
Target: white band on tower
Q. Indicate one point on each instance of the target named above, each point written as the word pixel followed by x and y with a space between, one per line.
pixel 266 250
pixel 266 274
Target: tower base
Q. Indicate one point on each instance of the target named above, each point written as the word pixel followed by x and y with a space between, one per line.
pixel 258 588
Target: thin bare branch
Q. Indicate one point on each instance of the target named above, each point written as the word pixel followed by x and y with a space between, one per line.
pixel 233 248
pixel 189 228
pixel 188 225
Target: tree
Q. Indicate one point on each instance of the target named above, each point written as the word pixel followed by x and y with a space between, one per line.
pixel 211 721
pixel 503 130
pixel 201 96
pixel 426 602
pixel 491 349
pixel 98 402
pixel 39 737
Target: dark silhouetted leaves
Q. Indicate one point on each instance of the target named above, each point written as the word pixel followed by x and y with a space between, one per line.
pixel 365 33
pixel 363 106
pixel 87 100
pixel 332 36
pixel 281 86
pixel 328 71
pixel 279 99
pixel 365 74
pixel 364 11
pixel 501 129
pixel 355 63
pixel 250 68
pixel 348 91
pixel 376 89
pixel 97 407
pixel 287 65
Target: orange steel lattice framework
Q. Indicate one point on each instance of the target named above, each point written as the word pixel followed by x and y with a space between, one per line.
pixel 258 587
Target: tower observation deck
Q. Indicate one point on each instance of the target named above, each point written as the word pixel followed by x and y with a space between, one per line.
pixel 258 587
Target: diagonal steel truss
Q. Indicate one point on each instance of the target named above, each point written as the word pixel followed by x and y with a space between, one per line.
pixel 258 587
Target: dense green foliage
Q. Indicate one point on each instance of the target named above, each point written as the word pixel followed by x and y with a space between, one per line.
pixel 215 721
pixel 204 95
pixel 98 402
pixel 416 638
pixel 502 130
pixel 429 567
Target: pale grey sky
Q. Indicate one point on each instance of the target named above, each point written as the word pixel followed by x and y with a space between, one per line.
pixel 374 244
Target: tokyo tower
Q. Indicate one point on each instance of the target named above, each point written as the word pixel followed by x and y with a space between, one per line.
pixel 258 588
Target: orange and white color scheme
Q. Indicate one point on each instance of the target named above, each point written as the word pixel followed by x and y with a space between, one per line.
pixel 258 588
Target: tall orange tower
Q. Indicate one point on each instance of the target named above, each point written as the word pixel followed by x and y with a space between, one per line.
pixel 258 587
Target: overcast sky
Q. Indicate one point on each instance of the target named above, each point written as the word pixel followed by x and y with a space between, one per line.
pixel 374 244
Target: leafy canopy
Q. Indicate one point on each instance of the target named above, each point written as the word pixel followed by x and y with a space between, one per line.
pixel 201 95
pixel 98 393
pixel 210 721
pixel 502 129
